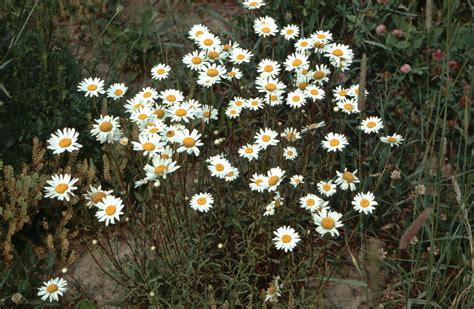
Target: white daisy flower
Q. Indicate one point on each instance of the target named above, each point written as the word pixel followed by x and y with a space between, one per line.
pixel 171 96
pixel 117 91
pixel 134 104
pixel 340 93
pixel 269 85
pixel 52 289
pixel 314 92
pixel 274 177
pixel 202 202
pixel 313 203
pixel 296 180
pixel 364 202
pixel 347 180
pixel 160 71
pixel 339 55
pixel 249 151
pixel 208 41
pixel 371 125
pixel 189 141
pixel 181 112
pixel 237 102
pixel 354 91
pixel 392 140
pixel 110 209
pixel 154 126
pixel 276 98
pixel 96 195
pixel 150 144
pixel 258 183
pixel 195 60
pixel 327 188
pixel 327 222
pixel 92 87
pixel 216 54
pixel 291 134
pixel 321 74
pixel 148 94
pixel 334 142
pixel 166 153
pixel 60 187
pixel 234 73
pixel 141 115
pixel 290 32
pixel 266 137
pixel 321 39
pixel 211 74
pixel 208 113
pixel 348 106
pixel 253 4
pixel 240 55
pixel 106 129
pixel 233 112
pixel 304 44
pixel 65 140
pixel 286 238
pixel 265 26
pixel 232 174
pixel 268 68
pixel 296 98
pixel 169 133
pixel 290 153
pixel 197 31
pixel 295 62
pixel 160 168
pixel 218 166
pixel 270 209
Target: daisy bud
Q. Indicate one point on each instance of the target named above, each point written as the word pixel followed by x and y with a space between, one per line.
pixel 64 270
pixel 123 141
pixel 216 132
pixel 381 29
pixel 196 181
pixel 152 294
pixel 94 242
pixel 153 248
pixel 280 123
pixel 405 68
pixel 336 109
pixel 127 219
pixel 220 246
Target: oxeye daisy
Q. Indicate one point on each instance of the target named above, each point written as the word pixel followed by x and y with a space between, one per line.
pixel 160 112
pixel 195 60
pixel 232 174
pixel 92 87
pixel 64 140
pixel 340 93
pixel 215 54
pixel 60 187
pixel 106 129
pixel 364 202
pixel 354 91
pixel 291 134
pixel 348 106
pixel 181 112
pixel 269 85
pixel 327 222
pixel 160 71
pixel 392 140
pixel 189 141
pixel 321 40
pixel 327 188
pixel 339 55
pixel 52 289
pixel 266 137
pixel 286 238
pixel 233 73
pixel 135 104
pixel 371 125
pixel 296 180
pixel 249 151
pixel 334 142
pixel 233 112
pixel 160 167
pixel 303 44
pixel 110 209
pixel 274 177
pixel 253 4
pixel 117 91
pixel 312 203
pixel 321 74
pixel 314 92
pixel 166 153
pixel 141 115
pixel 265 26
pixel 150 144
pixel 197 31
pixel 169 133
pixel 207 113
pixel 238 102
pixel 240 55
pixel 218 166
pixel 276 98
pixel 347 180
pixel 208 41
pixel 202 202
pixel 148 94
pixel 290 153
pixel 295 62
pixel 96 195
pixel 211 74
pixel 258 183
pixel 268 68
pixel 296 98
pixel 154 126
pixel 171 96
pixel 290 32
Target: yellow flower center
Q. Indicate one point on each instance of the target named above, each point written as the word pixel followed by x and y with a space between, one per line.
pixel 326 187
pixel 148 146
pixel 199 33
pixel 147 94
pixel 212 72
pixel 206 114
pixel 212 55
pixel 196 60
pixel 138 105
pixel 189 142
pixel 319 44
pixel 65 142
pixel 52 288
pixel 153 130
pixel 321 36
pixel 105 126
pixel 268 68
pixel 61 188
pixel 348 106
pixel 97 197
pixel 310 202
pixel 290 31
pixel 159 113
pixel 219 167
pixel 160 169
pixel 319 75
pixel 253 3
pixel 258 181
pixel 180 112
pixel 248 150
pixel 304 44
pixel 110 210
pixel 230 174
pixel 296 62
pixel 92 87
pixel 270 87
pixel 342 93
pixel 164 156
pixel 314 92
pixel 289 153
pixel 371 124
pixel 364 203
pixel 273 97
pixel 266 29
pixel 240 57
pixel 295 98
pixel 348 176
pixel 290 136
pixel 232 73
pixel 160 71
pixel 142 116
pixel 285 238
pixel 170 134
pixel 171 98
pixel 302 85
pixel 239 103
pixel 226 47
pixel 337 52
pixel 118 92
pixel 266 138
pixel 273 180
pixel 208 42
pixel 392 140
pixel 328 223
pixel 201 201
pixel 334 142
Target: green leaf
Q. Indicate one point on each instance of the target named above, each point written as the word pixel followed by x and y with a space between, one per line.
pixel 86 304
